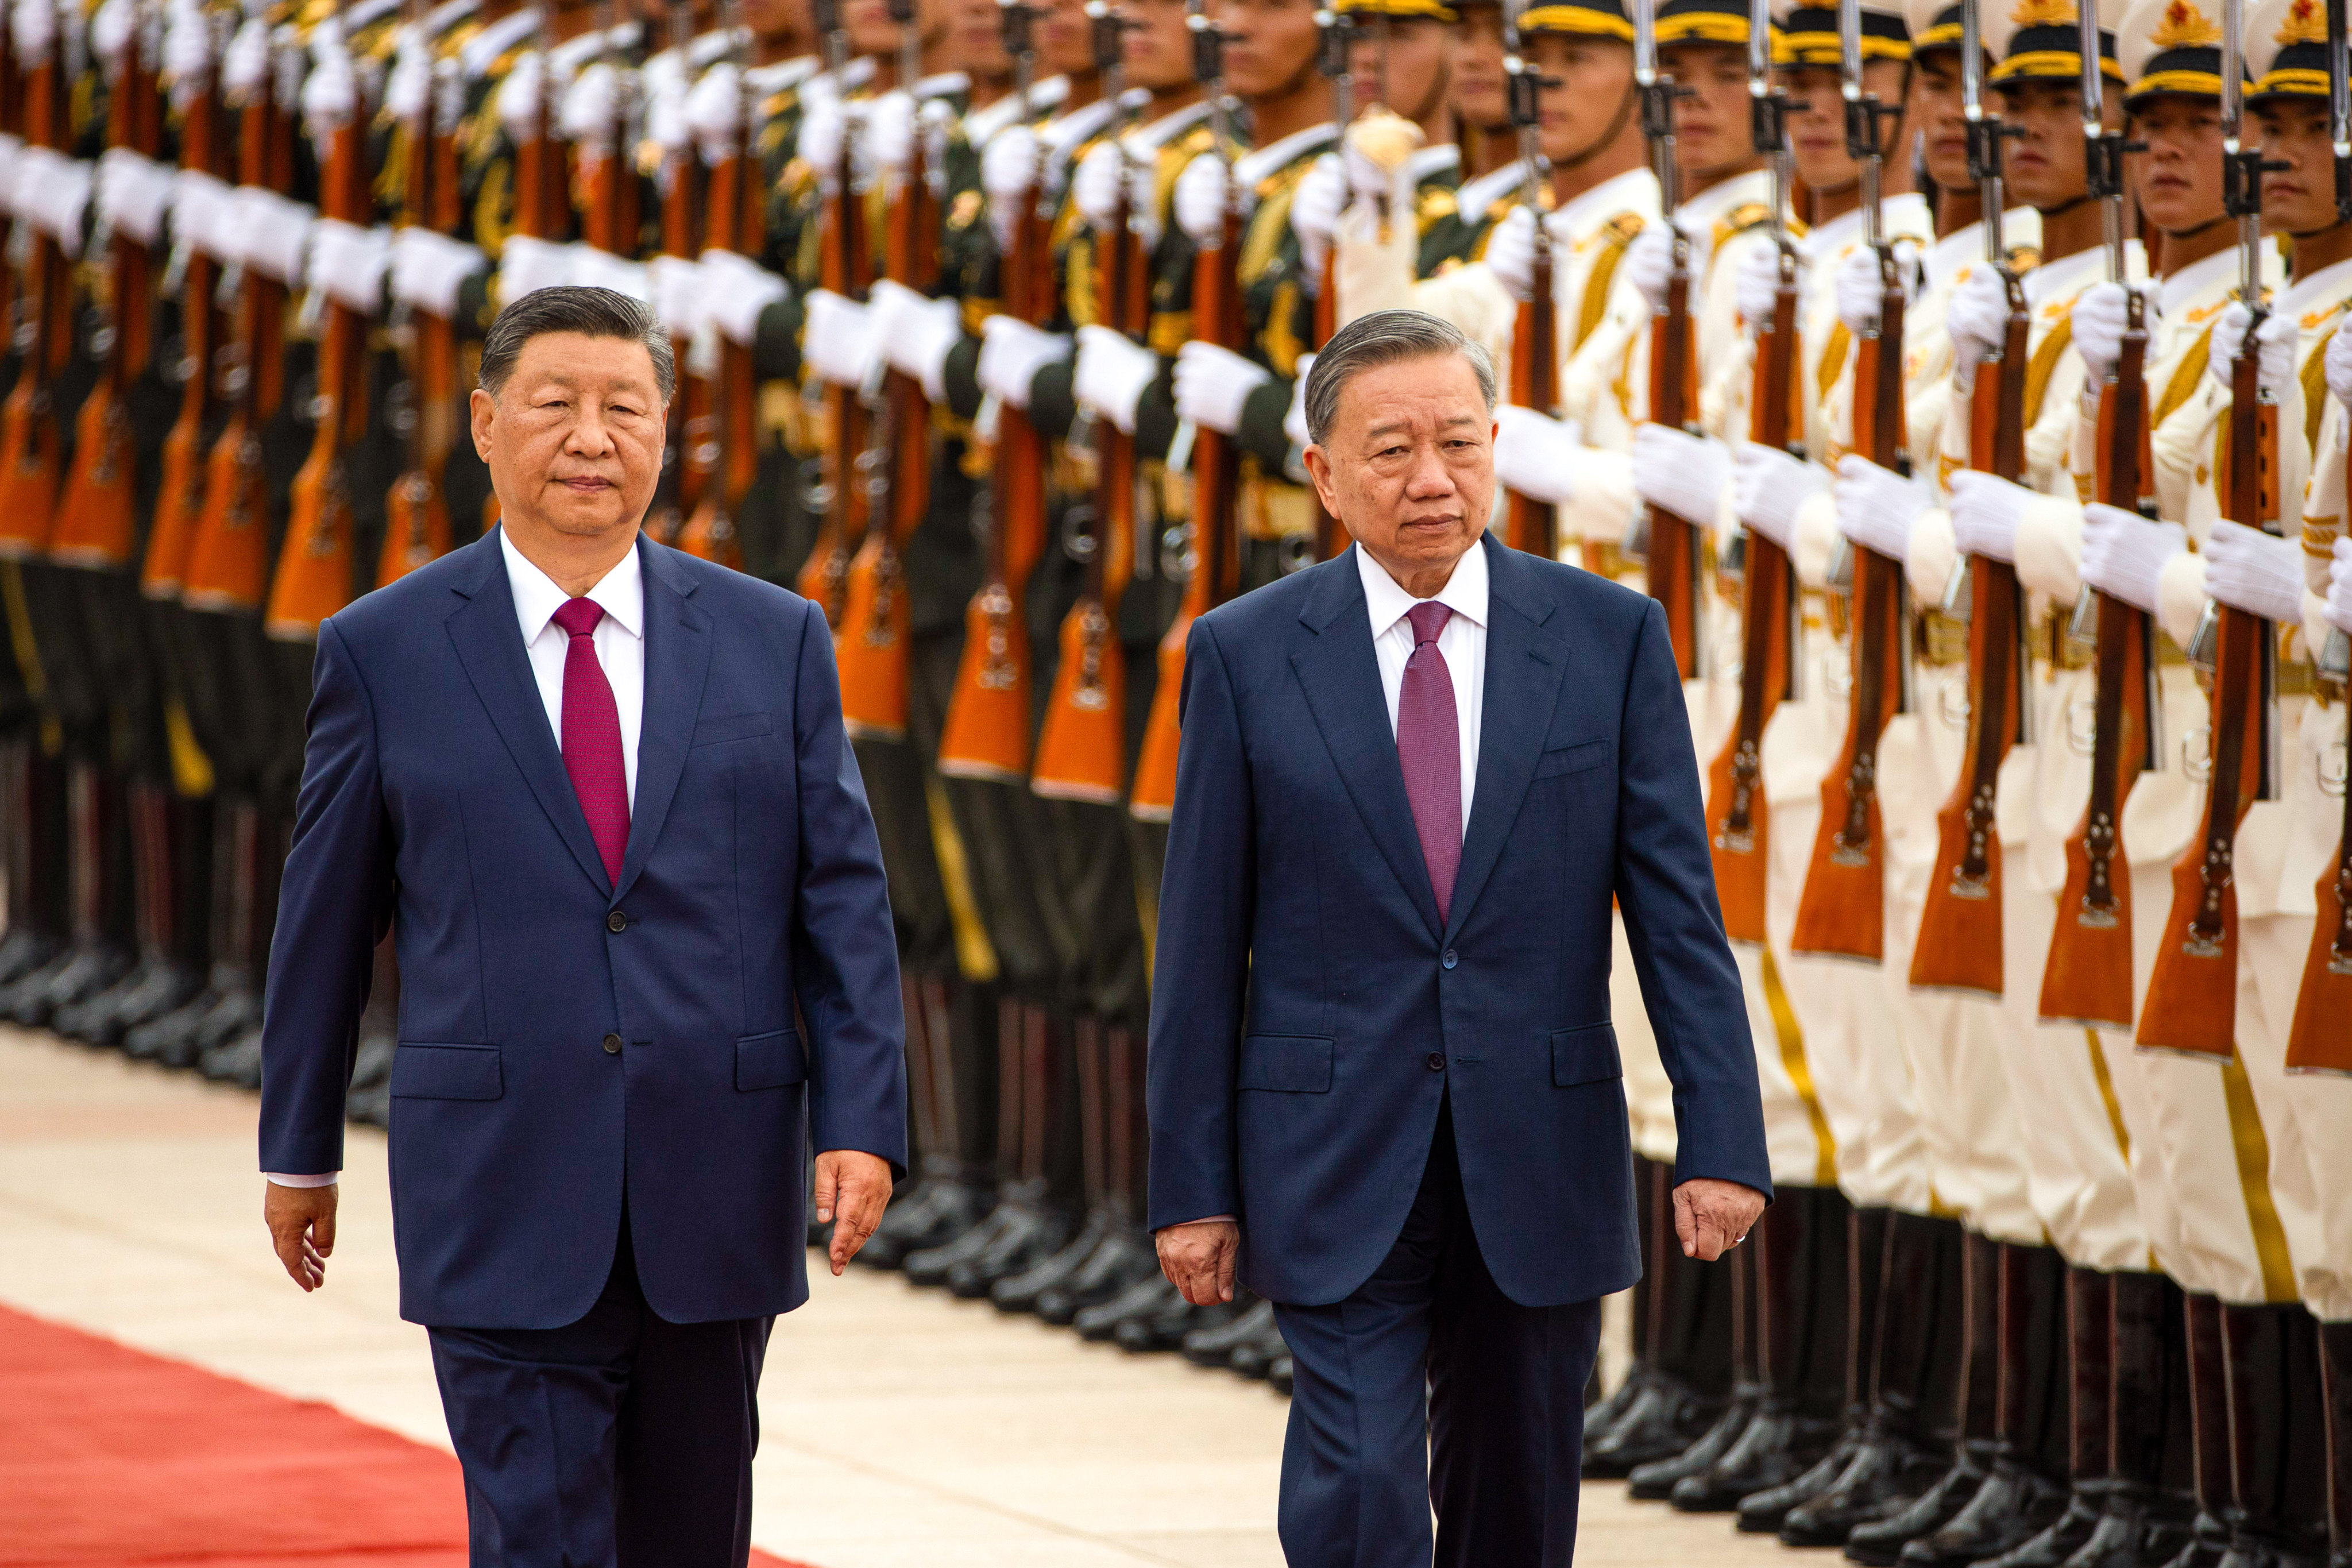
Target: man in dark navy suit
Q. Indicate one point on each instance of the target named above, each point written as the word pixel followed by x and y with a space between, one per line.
pixel 600 792
pixel 1384 1089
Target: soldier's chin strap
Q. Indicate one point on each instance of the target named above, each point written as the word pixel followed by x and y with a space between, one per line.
pixel 2193 231
pixel 2062 208
pixel 1607 139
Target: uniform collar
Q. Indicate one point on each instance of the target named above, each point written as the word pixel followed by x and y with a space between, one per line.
pixel 1617 194
pixel 2325 287
pixel 1258 164
pixel 537 598
pixel 1476 195
pixel 1466 593
pixel 2181 289
pixel 1427 161
pixel 482 50
pixel 1166 129
pixel 2059 280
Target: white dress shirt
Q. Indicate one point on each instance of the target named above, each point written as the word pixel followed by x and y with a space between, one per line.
pixel 1463 642
pixel 620 644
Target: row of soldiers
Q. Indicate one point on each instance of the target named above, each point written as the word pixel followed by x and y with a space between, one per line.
pixel 1962 378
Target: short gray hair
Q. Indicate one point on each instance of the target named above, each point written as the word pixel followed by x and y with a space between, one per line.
pixel 592 313
pixel 1385 337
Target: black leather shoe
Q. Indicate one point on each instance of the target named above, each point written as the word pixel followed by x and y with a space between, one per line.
pixel 1883 1476
pixel 1033 1234
pixel 1666 1418
pixel 1278 1374
pixel 1255 1357
pixel 1019 1293
pixel 2057 1542
pixel 2208 1544
pixel 1213 1347
pixel 234 1008
pixel 1163 1327
pixel 1101 1320
pixel 1880 1542
pixel 164 983
pixel 930 1266
pixel 22 951
pixel 1125 1256
pixel 1655 1482
pixel 237 1059
pixel 2132 1532
pixel 2012 1507
pixel 148 1041
pixel 1760 1513
pixel 77 1019
pixel 946 1207
pixel 1601 1419
pixel 1777 1447
pixel 84 972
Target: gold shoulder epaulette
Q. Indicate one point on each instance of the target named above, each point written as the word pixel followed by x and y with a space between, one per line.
pixel 1437 203
pixel 2024 258
pixel 1740 219
pixel 1621 229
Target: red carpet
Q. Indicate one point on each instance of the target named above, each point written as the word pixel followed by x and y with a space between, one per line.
pixel 109 1456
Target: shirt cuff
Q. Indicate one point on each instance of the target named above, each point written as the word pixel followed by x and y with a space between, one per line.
pixel 280 1179
pixel 1204 1219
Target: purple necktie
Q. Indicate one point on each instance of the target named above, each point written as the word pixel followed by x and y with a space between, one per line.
pixel 1429 745
pixel 591 735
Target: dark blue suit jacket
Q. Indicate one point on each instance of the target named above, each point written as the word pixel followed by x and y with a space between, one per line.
pixel 433 796
pixel 1309 1011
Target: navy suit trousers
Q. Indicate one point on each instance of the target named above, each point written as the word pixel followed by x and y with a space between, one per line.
pixel 622 1440
pixel 1427 1387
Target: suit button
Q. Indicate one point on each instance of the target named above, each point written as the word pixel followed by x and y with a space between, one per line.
pixel 1437 1061
pixel 611 1044
pixel 1450 959
pixel 617 922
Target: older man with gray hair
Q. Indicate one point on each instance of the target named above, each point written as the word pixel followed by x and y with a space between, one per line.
pixel 1385 1087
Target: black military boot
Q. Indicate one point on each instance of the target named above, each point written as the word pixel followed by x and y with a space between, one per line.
pixel 94 960
pixel 1800 1263
pixel 1656 1481
pixel 2141 1524
pixel 2209 1406
pixel 1762 1513
pixel 1018 1185
pixel 1048 1114
pixel 2336 1394
pixel 2090 1377
pixel 1215 1346
pixel 1682 1382
pixel 2022 1495
pixel 1603 1414
pixel 950 1033
pixel 1880 1542
pixel 1103 1257
pixel 2277 1437
pixel 1892 1462
pixel 34 846
pixel 1152 1297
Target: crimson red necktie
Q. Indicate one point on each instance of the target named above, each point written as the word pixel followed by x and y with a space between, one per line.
pixel 1429 745
pixel 592 736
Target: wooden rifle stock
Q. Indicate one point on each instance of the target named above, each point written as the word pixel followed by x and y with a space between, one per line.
pixel 1673 549
pixel 417 523
pixel 842 266
pixel 28 420
pixel 1959 942
pixel 1082 744
pixel 1529 524
pixel 1843 908
pixel 1737 818
pixel 1216 563
pixel 2192 996
pixel 710 532
pixel 179 500
pixel 2319 1039
pixel 2087 977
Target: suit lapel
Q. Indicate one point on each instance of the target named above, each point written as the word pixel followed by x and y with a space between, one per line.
pixel 489 645
pixel 1340 674
pixel 1525 666
pixel 677 658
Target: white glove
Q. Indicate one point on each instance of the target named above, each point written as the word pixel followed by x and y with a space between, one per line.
pixel 2276 340
pixel 1978 318
pixel 2339 588
pixel 1094 183
pixel 275 232
pixel 594 269
pixel 110 28
pixel 1112 372
pixel 133 191
pixel 204 214
pixel 586 118
pixel 244 66
pixel 1767 486
pixel 1861 288
pixel 348 263
pixel 1211 384
pixel 331 93
pixel 405 89
pixel 33 30
pixel 889 140
pixel 1534 453
pixel 738 293
pixel 428 269
pixel 839 341
pixel 1876 507
pixel 1294 418
pixel 1314 208
pixel 2340 367
pixel 527 265
pixel 2098 318
pixel 1200 199
pixel 1648 261
pixel 2258 573
pixel 1511 253
pixel 1985 513
pixel 714 113
pixel 2124 554
pixel 1011 352
pixel 1758 280
pixel 1684 474
pixel 682 293
pixel 823 124
pixel 64 200
pixel 518 96
pixel 1008 166
pixel 917 333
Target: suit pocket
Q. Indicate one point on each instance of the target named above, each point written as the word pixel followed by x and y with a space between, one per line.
pixel 447 1072
pixel 1584 1054
pixel 731 727
pixel 770 1060
pixel 1573 759
pixel 1288 1064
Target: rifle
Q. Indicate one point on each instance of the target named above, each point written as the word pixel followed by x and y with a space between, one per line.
pixel 2087 977
pixel 418 513
pixel 1668 544
pixel 2317 1040
pixel 2192 996
pixel 179 500
pixel 1770 608
pixel 1338 30
pixel 987 732
pixel 842 266
pixel 1532 525
pixel 228 561
pixel 1082 744
pixel 609 183
pixel 734 221
pixel 1213 458
pixel 875 626
pixel 314 565
pixel 686 428
pixel 1959 942
pixel 28 423
pixel 1842 910
pixel 95 524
